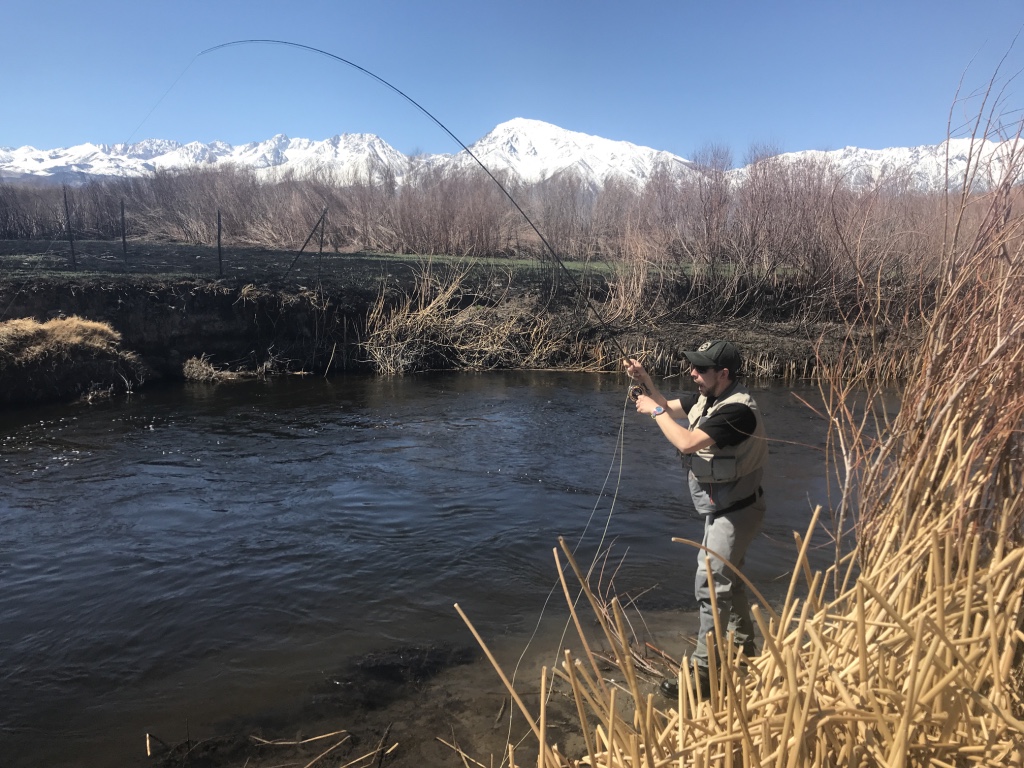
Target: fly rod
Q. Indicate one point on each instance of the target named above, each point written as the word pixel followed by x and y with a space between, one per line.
pixel 635 390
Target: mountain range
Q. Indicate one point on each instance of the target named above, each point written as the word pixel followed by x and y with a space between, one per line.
pixel 530 149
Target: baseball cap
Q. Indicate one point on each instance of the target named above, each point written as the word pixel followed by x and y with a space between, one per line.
pixel 718 354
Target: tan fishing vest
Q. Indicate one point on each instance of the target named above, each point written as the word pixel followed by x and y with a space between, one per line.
pixel 728 464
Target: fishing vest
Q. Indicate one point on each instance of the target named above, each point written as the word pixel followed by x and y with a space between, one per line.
pixel 723 479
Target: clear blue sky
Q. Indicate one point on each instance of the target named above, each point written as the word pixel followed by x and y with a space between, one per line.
pixel 677 76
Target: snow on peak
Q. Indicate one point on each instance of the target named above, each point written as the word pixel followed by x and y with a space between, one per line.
pixel 535 150
pixel 531 150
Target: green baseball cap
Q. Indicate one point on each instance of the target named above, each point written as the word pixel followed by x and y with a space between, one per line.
pixel 716 354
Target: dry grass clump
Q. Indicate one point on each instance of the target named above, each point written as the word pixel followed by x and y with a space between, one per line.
pixel 25 339
pixel 909 650
pixel 62 359
pixel 440 325
pixel 201 369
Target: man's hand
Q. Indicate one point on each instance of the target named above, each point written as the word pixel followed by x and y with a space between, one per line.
pixel 645 404
pixel 636 371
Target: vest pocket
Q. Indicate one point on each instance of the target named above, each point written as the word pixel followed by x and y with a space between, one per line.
pixel 723 468
pixel 701 468
pixel 717 469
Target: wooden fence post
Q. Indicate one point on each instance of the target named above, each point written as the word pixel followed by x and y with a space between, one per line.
pixel 311 233
pixel 220 262
pixel 320 256
pixel 71 237
pixel 124 237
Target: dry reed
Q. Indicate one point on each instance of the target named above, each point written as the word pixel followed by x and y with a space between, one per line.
pixel 917 674
pixel 440 324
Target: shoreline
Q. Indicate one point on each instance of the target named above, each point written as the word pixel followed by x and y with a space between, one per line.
pixel 368 314
pixel 421 702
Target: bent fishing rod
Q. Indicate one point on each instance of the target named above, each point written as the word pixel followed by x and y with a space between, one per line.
pixel 636 389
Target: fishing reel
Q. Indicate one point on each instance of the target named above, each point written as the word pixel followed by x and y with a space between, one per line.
pixel 635 391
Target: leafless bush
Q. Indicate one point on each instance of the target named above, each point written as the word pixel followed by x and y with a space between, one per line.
pixel 439 325
pixel 459 213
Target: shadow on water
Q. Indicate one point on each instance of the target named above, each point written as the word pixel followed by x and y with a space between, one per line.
pixel 198 552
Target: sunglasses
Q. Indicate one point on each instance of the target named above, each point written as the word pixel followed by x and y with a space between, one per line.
pixel 703 368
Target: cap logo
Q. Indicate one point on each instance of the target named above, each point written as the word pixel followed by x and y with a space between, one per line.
pixel 704 347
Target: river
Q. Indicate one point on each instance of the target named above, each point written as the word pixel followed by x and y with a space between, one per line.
pixel 197 552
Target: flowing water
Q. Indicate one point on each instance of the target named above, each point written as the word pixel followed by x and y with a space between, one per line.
pixel 202 551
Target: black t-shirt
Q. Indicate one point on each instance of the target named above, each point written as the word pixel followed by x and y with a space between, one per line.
pixel 730 425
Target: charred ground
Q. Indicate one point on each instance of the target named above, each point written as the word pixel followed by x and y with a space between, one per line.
pixel 264 312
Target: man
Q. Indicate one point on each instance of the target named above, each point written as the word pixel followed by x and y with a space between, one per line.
pixel 724 451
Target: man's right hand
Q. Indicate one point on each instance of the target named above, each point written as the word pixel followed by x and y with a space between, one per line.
pixel 636 371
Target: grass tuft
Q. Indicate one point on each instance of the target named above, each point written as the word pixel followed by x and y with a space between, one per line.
pixel 63 359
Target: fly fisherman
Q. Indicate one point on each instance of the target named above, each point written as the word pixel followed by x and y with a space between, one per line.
pixel 724 450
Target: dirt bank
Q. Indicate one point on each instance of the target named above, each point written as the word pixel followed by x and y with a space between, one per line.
pixel 271 312
pixel 419 702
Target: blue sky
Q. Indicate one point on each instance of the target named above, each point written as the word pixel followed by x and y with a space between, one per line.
pixel 677 76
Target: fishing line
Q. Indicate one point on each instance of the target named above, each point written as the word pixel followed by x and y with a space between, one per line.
pixel 618 454
pixel 161 99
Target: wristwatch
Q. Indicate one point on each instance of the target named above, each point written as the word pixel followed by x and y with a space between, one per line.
pixel 657 412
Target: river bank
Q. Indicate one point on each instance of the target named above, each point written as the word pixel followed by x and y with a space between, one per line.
pixel 410 707
pixel 274 313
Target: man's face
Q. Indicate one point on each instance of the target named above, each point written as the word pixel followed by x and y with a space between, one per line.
pixel 711 382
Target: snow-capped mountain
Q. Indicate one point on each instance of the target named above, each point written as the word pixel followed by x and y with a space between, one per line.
pixel 534 150
pixel 924 168
pixel 529 149
pixel 344 155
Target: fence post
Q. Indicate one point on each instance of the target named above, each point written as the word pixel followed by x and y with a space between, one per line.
pixel 320 256
pixel 124 237
pixel 71 237
pixel 220 262
pixel 311 233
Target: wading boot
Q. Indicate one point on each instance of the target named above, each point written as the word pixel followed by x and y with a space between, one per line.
pixel 670 685
pixel 748 649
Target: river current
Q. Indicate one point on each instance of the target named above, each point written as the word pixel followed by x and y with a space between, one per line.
pixel 204 550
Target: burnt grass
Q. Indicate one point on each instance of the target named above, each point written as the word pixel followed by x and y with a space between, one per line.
pixel 265 311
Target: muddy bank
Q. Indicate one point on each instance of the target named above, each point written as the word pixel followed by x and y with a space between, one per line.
pixel 364 314
pixel 166 322
pixel 415 706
